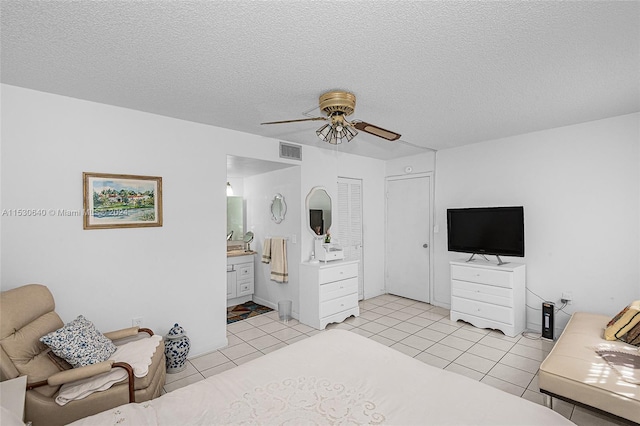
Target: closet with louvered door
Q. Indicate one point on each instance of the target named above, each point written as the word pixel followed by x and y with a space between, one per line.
pixel 349 233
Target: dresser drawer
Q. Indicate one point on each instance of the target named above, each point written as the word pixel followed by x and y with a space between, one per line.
pixel 245 270
pixel 482 310
pixel 483 276
pixel 339 272
pixel 245 288
pixel 338 289
pixel 333 306
pixel 483 293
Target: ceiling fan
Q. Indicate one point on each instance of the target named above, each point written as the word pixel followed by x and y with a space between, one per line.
pixel 337 105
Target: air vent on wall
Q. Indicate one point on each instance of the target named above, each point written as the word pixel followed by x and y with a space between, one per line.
pixel 293 152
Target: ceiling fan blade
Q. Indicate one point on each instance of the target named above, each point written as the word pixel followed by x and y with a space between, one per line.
pixel 295 121
pixel 376 131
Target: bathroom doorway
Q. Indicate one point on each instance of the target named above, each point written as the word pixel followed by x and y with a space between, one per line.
pixel 259 182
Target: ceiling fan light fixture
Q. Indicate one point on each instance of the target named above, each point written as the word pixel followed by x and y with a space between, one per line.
pixel 334 139
pixel 327 133
pixel 337 105
pixel 350 133
pixel 323 132
pixel 346 132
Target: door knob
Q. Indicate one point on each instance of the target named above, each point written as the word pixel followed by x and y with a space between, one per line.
pixel 425 245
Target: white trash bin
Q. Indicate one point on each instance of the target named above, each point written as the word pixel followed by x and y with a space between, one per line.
pixel 284 310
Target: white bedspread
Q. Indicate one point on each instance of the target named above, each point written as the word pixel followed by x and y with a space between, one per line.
pixel 335 377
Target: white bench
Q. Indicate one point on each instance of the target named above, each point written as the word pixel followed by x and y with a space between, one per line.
pixel 574 372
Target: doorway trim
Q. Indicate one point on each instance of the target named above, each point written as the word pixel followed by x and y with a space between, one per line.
pixel 430 175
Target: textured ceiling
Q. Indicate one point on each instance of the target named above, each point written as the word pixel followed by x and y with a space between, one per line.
pixel 442 74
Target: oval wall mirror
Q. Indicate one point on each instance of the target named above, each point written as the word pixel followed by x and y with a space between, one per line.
pixel 278 208
pixel 319 211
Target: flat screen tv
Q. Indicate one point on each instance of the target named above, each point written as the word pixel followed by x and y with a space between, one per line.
pixel 496 231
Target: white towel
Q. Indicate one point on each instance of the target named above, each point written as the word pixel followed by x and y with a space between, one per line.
pixel 279 270
pixel 137 353
pixel 266 251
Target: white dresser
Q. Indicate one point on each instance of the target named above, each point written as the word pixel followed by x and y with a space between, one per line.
pixel 489 296
pixel 240 279
pixel 328 292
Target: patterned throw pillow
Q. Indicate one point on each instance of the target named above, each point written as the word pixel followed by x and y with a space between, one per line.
pixel 624 321
pixel 79 343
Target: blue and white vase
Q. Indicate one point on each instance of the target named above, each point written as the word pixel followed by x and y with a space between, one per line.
pixel 176 349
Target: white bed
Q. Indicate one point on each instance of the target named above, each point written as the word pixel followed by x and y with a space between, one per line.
pixel 335 377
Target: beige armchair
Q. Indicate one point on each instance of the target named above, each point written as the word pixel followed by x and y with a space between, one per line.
pixel 26 314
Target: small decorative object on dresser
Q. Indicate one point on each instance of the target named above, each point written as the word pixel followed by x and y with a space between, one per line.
pixel 177 347
pixel 489 295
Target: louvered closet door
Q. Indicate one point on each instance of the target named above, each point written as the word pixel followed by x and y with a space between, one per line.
pixel 350 224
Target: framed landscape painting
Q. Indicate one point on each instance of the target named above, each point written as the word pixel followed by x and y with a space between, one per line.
pixel 121 201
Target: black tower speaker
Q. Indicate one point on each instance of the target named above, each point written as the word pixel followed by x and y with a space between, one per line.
pixel 547 320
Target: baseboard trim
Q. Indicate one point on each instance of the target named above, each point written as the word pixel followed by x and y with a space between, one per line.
pixel 272 305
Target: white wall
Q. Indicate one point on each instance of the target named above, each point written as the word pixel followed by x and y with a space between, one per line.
pixel 259 192
pixel 321 168
pixel 579 186
pixel 165 274
pixel 420 163
pixel 237 184
pixel 174 273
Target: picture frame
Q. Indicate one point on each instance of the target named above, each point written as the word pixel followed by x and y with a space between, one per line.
pixel 121 201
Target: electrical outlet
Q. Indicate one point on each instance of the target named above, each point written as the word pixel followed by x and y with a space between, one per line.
pixel 567 297
pixel 136 322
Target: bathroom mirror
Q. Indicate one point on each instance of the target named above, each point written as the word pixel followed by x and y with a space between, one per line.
pixel 235 218
pixel 319 210
pixel 278 208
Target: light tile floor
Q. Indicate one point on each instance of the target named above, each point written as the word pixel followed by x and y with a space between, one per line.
pixel 414 328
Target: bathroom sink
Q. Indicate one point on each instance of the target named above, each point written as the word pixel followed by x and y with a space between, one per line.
pixel 239 252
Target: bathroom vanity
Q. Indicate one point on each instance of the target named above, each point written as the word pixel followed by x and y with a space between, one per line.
pixel 240 277
pixel 328 292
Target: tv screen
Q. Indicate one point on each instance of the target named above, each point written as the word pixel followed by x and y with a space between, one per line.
pixel 486 230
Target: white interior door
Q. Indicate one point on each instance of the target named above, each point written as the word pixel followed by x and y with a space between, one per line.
pixel 408 237
pixel 350 224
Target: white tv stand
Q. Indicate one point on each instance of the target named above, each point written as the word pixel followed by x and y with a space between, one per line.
pixel 489 295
